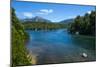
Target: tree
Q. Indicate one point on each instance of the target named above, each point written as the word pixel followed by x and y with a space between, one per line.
pixel 19 53
pixel 85 25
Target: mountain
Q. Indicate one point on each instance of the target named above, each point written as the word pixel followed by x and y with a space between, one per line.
pixel 67 21
pixel 36 19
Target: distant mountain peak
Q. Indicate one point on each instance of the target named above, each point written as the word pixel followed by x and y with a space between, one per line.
pixel 37 19
pixel 67 20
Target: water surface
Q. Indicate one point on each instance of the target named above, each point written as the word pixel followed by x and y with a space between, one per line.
pixel 57 46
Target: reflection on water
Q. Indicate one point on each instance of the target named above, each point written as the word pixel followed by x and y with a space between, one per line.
pixel 58 46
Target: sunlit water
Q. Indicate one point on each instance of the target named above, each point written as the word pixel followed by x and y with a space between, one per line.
pixel 57 46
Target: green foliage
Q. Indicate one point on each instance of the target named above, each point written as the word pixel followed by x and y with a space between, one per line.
pixel 85 25
pixel 43 25
pixel 19 36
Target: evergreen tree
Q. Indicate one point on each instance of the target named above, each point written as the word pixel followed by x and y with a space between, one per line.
pixel 19 53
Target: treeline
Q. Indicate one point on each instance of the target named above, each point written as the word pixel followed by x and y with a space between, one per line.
pixel 19 36
pixel 43 25
pixel 85 25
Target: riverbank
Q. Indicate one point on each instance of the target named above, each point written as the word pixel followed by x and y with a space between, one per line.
pixel 32 58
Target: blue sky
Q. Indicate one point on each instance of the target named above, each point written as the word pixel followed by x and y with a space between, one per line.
pixel 53 12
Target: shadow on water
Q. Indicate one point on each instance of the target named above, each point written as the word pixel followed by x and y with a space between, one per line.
pixel 58 46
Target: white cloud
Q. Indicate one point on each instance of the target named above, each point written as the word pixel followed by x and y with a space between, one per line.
pixel 89 12
pixel 45 11
pixel 41 13
pixel 28 14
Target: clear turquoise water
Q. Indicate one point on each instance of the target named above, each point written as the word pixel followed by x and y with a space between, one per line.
pixel 57 46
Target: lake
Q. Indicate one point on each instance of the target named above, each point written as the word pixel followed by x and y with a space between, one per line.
pixel 58 46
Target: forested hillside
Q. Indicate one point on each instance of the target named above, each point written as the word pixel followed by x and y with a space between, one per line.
pixel 19 53
pixel 43 25
pixel 85 25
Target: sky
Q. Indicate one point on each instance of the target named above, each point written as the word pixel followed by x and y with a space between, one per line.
pixel 51 11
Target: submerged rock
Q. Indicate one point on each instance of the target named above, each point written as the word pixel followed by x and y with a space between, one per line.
pixel 84 55
pixel 77 33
